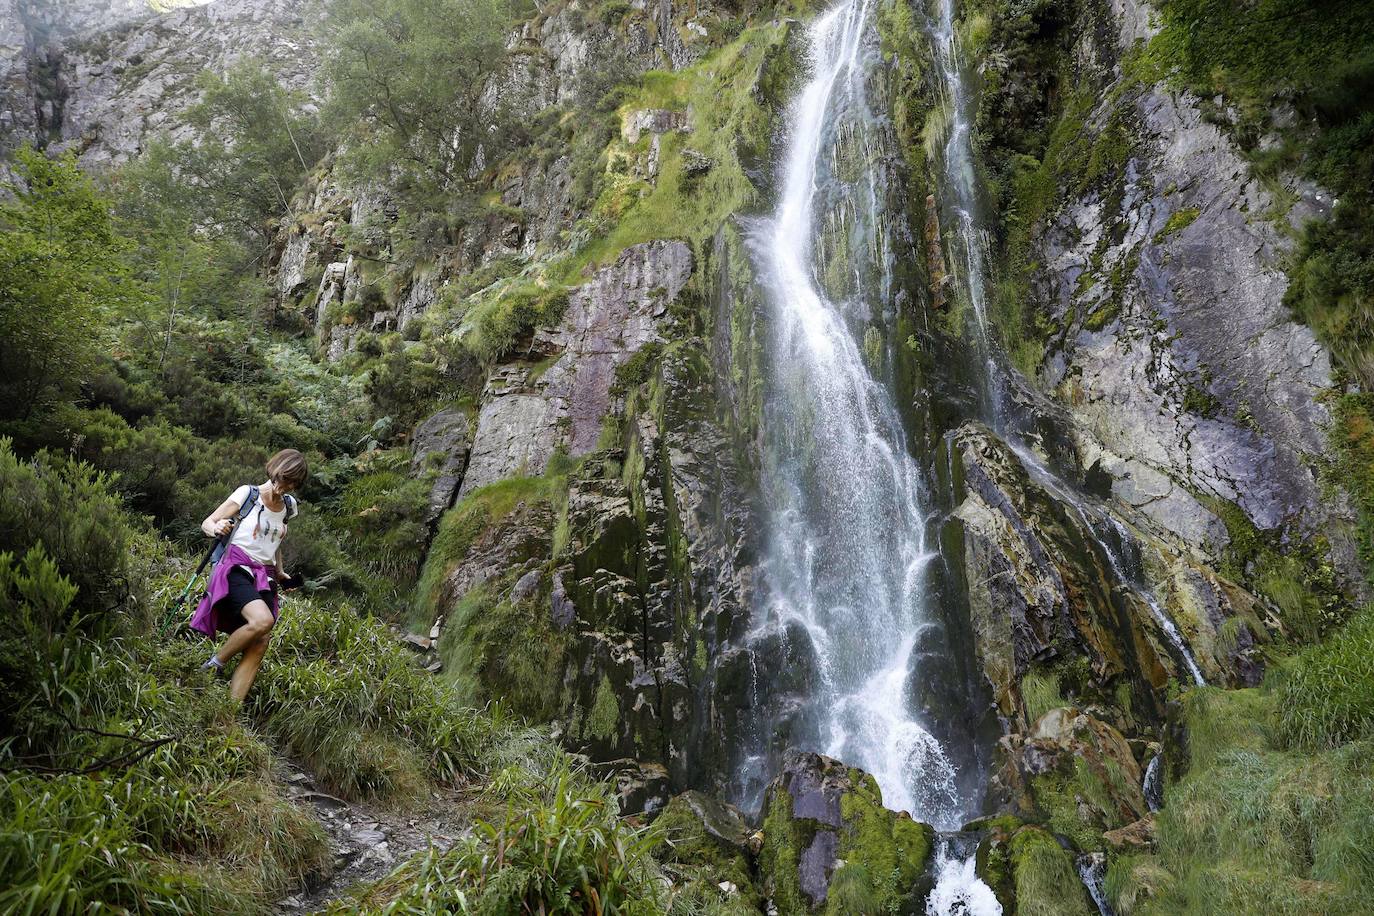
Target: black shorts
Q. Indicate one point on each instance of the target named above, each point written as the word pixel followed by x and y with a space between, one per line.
pixel 242 592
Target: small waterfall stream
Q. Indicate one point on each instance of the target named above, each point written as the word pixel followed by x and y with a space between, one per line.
pixel 961 202
pixel 961 208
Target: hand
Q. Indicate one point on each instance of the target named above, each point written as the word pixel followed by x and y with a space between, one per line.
pixel 222 527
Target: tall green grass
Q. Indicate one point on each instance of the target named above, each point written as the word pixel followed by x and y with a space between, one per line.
pixel 1276 811
pixel 559 847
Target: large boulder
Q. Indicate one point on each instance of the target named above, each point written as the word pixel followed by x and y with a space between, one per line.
pixel 828 842
pixel 1077 774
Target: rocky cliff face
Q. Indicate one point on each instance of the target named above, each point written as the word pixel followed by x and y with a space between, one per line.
pixel 102 78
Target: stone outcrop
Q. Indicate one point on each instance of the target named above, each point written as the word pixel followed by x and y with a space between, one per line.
pixel 1044 569
pixel 609 319
pixel 826 836
pixel 440 444
pixel 1188 382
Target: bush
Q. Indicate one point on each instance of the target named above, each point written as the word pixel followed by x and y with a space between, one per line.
pixel 146 462
pixel 71 510
pixel 385 512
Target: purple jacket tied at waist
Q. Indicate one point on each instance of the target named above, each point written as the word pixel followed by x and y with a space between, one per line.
pixel 204 619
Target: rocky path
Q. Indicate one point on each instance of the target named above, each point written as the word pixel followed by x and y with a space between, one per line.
pixel 367 841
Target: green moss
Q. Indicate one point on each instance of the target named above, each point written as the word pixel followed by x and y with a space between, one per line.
pixel 604 718
pixel 460 528
pixel 783 841
pixel 701 856
pixel 730 125
pixel 1299 579
pixel 1047 883
pixel 1179 220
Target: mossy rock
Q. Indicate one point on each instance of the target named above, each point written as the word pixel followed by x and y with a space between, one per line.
pixel 705 840
pixel 830 846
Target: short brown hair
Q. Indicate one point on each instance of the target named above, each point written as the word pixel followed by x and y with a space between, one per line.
pixel 288 466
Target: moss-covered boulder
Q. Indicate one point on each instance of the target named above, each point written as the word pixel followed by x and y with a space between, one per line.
pixel 1077 774
pixel 829 845
pixel 1030 871
pixel 705 842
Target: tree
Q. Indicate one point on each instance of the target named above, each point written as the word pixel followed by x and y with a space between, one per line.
pixel 258 140
pixel 411 77
pixel 62 271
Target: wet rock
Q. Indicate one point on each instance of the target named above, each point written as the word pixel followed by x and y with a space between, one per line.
pixel 1053 575
pixel 818 815
pixel 1076 771
pixel 441 443
pixel 515 431
pixel 526 586
pixel 1135 837
pixel 652 121
pixel 1186 377
pixel 640 787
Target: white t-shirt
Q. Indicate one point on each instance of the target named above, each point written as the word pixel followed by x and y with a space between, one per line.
pixel 261 531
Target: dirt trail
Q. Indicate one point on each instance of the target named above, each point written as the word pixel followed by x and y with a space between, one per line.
pixel 367 841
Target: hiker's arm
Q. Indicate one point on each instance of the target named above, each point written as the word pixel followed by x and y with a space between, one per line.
pixel 221 521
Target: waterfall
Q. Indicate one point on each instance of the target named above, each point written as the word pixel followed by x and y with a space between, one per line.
pixel 960 191
pixel 1151 786
pixel 848 561
pixel 1092 869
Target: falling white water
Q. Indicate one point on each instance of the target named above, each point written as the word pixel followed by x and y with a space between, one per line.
pixel 958 891
pixel 848 558
pixel 1094 519
pixel 1150 786
pixel 1092 869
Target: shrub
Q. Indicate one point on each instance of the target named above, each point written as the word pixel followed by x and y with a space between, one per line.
pixel 69 508
pixel 146 461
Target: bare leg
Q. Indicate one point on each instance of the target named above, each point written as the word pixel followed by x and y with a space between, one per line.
pixel 247 671
pixel 257 617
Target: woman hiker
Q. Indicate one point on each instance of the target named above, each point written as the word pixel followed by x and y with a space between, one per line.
pixel 241 598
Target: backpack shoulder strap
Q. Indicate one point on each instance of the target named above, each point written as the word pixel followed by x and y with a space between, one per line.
pixel 222 546
pixel 291 508
pixel 248 503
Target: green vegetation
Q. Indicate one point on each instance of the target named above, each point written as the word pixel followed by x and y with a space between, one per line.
pixel 1274 814
pixel 408 79
pixel 560 848
pixel 1047 884
pixel 64 274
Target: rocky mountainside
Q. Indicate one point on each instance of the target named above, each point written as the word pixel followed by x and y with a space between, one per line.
pixel 103 78
pixel 1136 511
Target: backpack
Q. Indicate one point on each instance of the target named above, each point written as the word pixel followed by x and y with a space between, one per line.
pixel 222 545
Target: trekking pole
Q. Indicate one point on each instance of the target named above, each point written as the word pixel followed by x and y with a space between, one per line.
pixel 169 620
